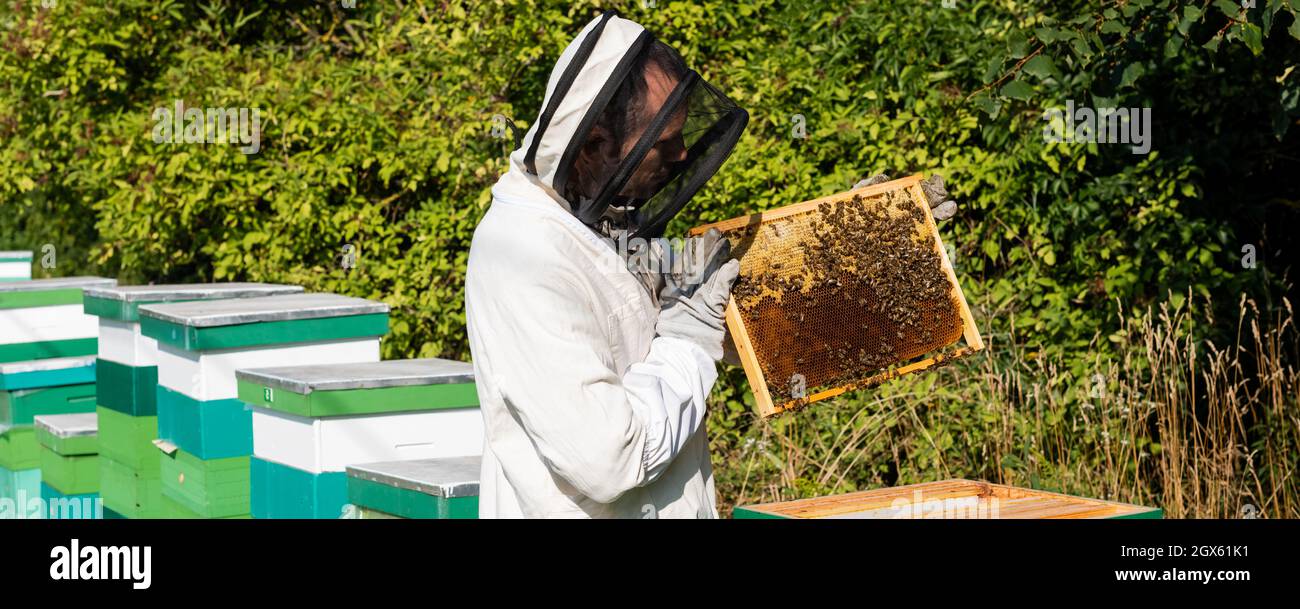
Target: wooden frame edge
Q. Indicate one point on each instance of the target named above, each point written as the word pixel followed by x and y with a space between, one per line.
pixel 749 361
pixel 796 208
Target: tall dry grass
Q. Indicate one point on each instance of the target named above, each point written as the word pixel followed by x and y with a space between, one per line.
pixel 1161 417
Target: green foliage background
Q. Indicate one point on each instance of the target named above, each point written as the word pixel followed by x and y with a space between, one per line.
pixel 376 132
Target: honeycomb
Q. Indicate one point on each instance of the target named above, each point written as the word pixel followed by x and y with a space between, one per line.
pixel 832 296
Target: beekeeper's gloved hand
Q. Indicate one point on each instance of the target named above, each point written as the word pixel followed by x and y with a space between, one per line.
pixel 941 207
pixel 694 298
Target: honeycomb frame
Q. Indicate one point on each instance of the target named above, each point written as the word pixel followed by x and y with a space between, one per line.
pixel 760 347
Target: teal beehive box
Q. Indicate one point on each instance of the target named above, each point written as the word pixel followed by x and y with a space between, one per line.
pixel 311 422
pixel 20 494
pixel 444 488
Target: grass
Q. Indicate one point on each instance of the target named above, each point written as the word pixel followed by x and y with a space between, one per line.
pixel 1158 417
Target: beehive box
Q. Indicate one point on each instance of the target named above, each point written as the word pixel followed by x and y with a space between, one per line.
pixel 38 373
pixel 201 344
pixel 128 439
pixel 19 449
pixel 445 488
pixel 18 408
pixel 311 422
pixel 16 265
pixel 18 487
pixel 129 492
pixel 69 452
pixel 62 506
pixel 42 318
pixel 204 429
pixel 127 375
pixel 842 292
pixel 949 499
pixel 174 510
pixel 62 385
pixel 210 488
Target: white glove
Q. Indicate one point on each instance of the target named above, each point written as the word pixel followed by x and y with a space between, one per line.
pixel 694 298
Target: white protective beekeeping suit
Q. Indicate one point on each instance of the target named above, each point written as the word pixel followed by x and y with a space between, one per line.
pixel 588 413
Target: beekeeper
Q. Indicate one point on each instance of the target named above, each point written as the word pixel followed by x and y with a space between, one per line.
pixel 592 378
pixel 592 365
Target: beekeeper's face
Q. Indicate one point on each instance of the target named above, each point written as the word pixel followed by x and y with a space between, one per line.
pixel 655 169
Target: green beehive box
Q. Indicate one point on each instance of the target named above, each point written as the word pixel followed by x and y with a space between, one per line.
pixel 35 322
pixel 369 514
pixel 16 265
pixel 69 452
pixel 243 323
pixel 215 488
pixel 127 389
pixel 70 475
pixel 445 488
pixel 338 390
pixel 128 439
pixel 19 449
pixel 128 492
pixel 18 408
pixel 174 510
pixel 69 435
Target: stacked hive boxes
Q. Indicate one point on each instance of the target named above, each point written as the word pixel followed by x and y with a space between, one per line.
pixel 424 488
pixel 69 465
pixel 44 369
pixel 15 266
pixel 205 432
pixel 311 422
pixel 35 387
pixel 127 381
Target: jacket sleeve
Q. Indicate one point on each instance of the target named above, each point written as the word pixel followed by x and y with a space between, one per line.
pixel 602 433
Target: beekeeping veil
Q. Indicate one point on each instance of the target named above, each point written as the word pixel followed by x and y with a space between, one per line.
pixel 627 133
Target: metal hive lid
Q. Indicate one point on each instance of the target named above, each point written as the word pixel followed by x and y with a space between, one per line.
pixel 57 283
pixel 190 291
pixel 448 477
pixel 367 375
pixel 68 425
pixel 286 307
